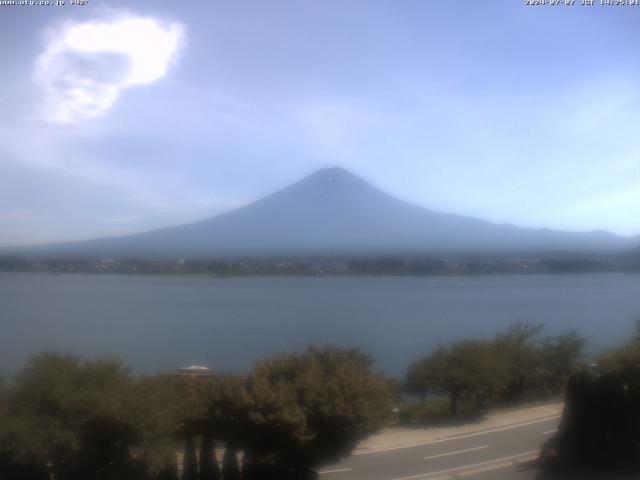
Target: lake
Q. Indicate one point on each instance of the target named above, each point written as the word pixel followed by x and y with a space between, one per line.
pixel 158 323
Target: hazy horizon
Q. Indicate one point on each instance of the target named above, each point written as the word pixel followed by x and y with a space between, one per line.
pixel 284 188
pixel 121 118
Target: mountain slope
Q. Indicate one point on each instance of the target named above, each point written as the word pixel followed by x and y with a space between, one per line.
pixel 331 212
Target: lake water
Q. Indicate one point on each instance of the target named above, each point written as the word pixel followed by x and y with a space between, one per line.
pixel 157 323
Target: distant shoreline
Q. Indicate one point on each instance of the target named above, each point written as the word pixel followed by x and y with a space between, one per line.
pixel 289 275
pixel 357 266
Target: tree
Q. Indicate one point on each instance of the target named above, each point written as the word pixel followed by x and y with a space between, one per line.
pixel 91 420
pixel 74 416
pixel 600 426
pixel 11 465
pixel 559 356
pixel 313 407
pixel 226 408
pixel 209 469
pixel 520 350
pixel 169 471
pixel 466 369
pixel 190 459
pixel 230 468
pixel 538 366
pixel 162 411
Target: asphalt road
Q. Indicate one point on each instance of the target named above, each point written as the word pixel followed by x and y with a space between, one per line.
pixel 503 453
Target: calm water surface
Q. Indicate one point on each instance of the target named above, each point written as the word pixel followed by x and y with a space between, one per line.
pixel 157 323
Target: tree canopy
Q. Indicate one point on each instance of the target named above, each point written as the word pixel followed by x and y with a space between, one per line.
pixel 93 420
pixel 312 407
pixel 512 365
pixel 600 426
pixel 465 369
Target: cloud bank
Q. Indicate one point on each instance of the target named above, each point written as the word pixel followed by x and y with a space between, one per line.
pixel 86 65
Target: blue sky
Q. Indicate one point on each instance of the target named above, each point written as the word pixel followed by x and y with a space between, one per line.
pixel 119 117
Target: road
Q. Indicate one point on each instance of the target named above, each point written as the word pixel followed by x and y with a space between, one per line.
pixel 496 454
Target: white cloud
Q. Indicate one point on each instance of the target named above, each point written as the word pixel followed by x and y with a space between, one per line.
pixel 86 65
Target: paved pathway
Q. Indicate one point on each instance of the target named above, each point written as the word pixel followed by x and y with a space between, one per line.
pixel 500 446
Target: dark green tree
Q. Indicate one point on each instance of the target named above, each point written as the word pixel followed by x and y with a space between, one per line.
pixel 520 351
pixel 74 416
pixel 255 469
pixel 559 356
pixel 600 428
pixel 91 420
pixel 230 467
pixel 12 465
pixel 209 469
pixel 168 471
pixel 464 370
pixel 190 459
pixel 313 407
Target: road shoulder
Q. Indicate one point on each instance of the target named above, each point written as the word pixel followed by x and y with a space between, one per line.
pixel 404 437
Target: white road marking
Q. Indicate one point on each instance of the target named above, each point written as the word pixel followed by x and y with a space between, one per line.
pixel 457 452
pixel 338 470
pixel 549 431
pixel 459 437
pixel 497 461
